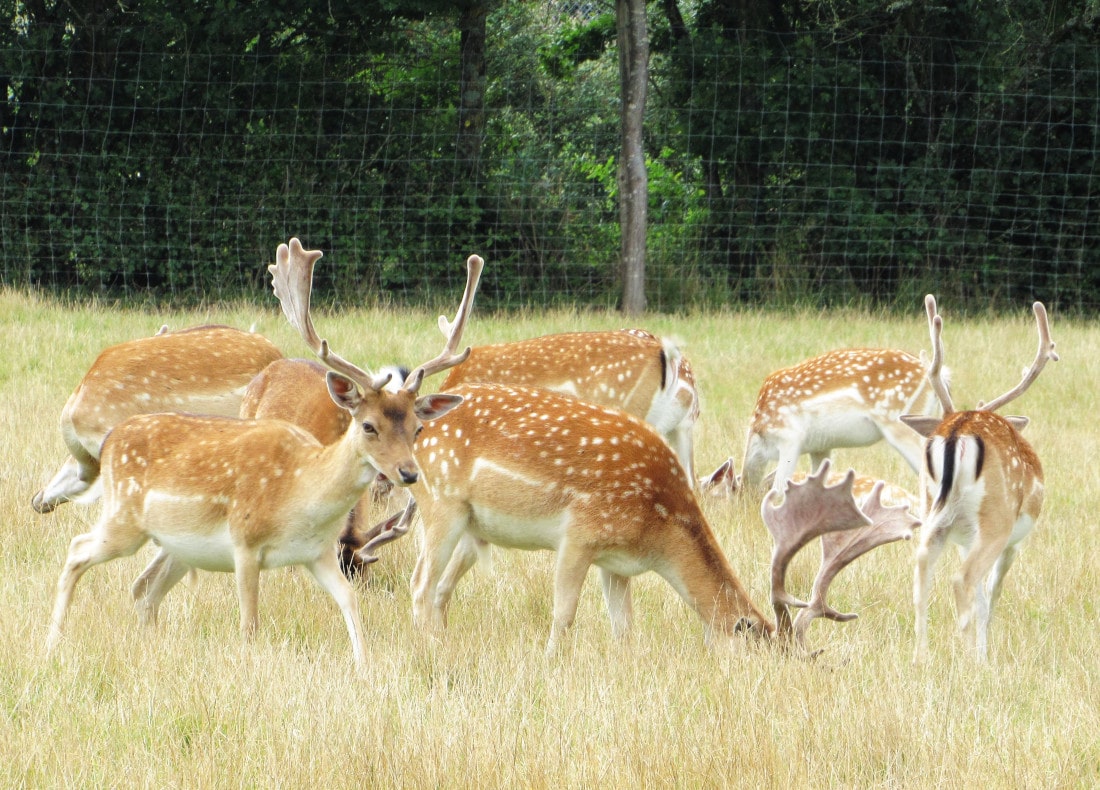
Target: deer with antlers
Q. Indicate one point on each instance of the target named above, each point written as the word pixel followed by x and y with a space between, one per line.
pixel 981 488
pixel 527 468
pixel 845 398
pixel 248 495
pixel 203 370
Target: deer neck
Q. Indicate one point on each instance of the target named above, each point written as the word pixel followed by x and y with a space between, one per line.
pixel 701 574
pixel 337 473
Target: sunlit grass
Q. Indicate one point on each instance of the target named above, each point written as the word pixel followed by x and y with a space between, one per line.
pixel 189 705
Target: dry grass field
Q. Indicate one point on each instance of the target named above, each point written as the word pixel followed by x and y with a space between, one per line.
pixel 188 705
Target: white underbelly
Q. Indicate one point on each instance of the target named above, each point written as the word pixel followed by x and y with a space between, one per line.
pixel 845 429
pixel 518 531
pixel 211 551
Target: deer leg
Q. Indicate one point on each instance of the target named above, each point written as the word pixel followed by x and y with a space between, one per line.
pixel 616 594
pixel 755 463
pixel 816 460
pixel 326 570
pixel 441 535
pixel 682 444
pixel 246 569
pixel 788 462
pixel 92 548
pixel 971 603
pixel 933 539
pixel 462 560
pixel 1004 562
pixel 149 589
pixel 569 572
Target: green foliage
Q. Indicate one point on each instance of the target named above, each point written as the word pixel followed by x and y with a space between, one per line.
pixel 577 42
pixel 821 153
pixel 870 153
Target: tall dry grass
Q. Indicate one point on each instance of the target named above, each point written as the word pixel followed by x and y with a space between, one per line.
pixel 189 706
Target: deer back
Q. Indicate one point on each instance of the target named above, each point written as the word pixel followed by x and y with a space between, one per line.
pixel 887 382
pixel 203 370
pixel 295 390
pixel 626 369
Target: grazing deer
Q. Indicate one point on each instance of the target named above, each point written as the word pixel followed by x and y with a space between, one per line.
pixel 628 369
pixel 981 488
pixel 247 495
pixel 204 370
pixel 527 468
pixel 845 398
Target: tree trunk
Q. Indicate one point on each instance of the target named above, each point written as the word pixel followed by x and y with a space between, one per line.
pixel 471 99
pixel 633 183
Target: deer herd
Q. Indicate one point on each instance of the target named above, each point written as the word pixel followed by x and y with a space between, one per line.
pixel 230 457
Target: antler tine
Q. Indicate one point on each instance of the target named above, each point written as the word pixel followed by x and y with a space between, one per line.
pixel 391 529
pixel 838 550
pixel 935 368
pixel 292 281
pixel 1045 353
pixel 451 329
pixel 810 509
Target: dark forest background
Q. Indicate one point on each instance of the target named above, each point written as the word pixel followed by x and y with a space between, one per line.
pixel 813 153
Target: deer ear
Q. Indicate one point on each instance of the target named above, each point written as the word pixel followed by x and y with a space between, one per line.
pixel 922 424
pixel 721 481
pixel 1019 423
pixel 429 407
pixel 343 391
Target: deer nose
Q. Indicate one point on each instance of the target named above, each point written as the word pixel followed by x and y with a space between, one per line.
pixel 409 477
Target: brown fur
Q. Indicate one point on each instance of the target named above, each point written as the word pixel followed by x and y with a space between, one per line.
pixel 528 468
pixel 202 370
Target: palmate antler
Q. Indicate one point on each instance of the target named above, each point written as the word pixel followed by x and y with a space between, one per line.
pixel 809 510
pixel 292 281
pixel 839 549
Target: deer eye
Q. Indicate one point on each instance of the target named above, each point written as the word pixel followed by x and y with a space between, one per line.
pixel 369 429
pixel 419 428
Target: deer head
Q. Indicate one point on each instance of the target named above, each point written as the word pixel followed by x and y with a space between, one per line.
pixel 390 419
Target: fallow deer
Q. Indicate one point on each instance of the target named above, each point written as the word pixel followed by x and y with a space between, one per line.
pixel 203 370
pixel 632 370
pixel 981 488
pixel 844 398
pixel 247 495
pixel 528 468
pixel 629 369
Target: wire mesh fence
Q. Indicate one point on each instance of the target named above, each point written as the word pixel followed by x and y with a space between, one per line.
pixel 793 167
